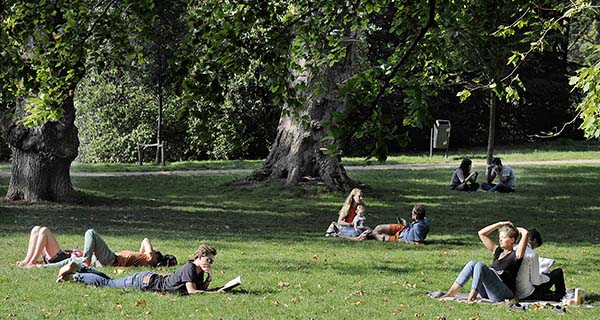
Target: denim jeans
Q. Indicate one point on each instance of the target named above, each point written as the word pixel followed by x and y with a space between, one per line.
pixel 96 247
pixel 485 280
pixel 500 187
pixel 348 231
pixel 99 279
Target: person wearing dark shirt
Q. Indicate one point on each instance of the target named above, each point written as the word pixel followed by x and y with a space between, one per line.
pixel 496 282
pixel 193 277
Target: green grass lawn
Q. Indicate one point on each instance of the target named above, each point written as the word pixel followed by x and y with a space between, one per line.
pixel 273 238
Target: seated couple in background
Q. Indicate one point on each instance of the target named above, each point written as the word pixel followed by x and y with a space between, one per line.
pixel 464 179
pixel 43 244
pixel 351 224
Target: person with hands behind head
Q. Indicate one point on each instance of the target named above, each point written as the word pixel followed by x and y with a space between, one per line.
pixel 496 282
pixel 192 278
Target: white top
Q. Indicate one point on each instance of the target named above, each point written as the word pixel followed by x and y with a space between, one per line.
pixel 529 274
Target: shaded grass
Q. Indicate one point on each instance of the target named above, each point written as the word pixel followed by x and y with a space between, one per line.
pixel 562 149
pixel 272 236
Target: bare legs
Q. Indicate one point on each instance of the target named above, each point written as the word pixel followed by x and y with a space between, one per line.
pixel 146 246
pixel 455 289
pixel 41 241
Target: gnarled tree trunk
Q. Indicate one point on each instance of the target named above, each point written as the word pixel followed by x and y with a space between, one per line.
pixel 297 150
pixel 42 157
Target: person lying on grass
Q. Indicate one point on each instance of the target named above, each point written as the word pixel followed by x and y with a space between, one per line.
pixel 42 244
pixel 95 251
pixel 193 277
pixel 344 227
pixel 496 282
pixel 413 233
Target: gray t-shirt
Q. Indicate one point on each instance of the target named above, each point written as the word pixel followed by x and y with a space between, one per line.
pixel 508 172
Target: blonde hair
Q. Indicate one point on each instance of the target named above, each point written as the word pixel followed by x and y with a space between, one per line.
pixel 360 209
pixel 343 213
pixel 205 250
pixel 510 231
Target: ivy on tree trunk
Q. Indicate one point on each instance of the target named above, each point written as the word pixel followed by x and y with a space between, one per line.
pixel 42 157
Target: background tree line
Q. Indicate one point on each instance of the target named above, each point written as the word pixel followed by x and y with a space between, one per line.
pixel 294 81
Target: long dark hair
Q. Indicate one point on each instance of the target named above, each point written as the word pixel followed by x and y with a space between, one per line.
pixel 464 165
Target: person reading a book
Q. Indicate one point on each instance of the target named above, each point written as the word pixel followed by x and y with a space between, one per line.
pixel 413 233
pixel 496 282
pixel 463 179
pixel 534 282
pixel 194 277
pixel 343 226
pixel 504 173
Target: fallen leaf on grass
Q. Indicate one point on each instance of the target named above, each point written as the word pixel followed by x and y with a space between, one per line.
pixel 440 318
pixel 141 303
pixel 359 293
pixel 147 313
pixel 119 306
pixel 283 284
pixel 118 271
pixel 359 302
pixel 315 257
pixel 419 315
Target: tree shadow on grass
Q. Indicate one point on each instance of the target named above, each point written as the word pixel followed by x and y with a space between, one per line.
pixel 556 200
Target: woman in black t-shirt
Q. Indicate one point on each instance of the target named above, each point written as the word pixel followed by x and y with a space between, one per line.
pixel 496 282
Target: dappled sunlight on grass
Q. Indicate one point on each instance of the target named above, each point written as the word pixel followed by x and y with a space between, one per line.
pixel 273 237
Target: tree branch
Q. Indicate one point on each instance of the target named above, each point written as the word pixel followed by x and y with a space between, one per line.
pixel 553 135
pixel 387 80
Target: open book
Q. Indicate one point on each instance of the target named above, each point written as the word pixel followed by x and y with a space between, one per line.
pixel 232 284
pixel 545 264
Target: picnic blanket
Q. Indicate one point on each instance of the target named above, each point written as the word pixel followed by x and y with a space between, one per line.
pixel 555 306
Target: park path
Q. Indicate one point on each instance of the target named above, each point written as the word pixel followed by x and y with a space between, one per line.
pixel 476 164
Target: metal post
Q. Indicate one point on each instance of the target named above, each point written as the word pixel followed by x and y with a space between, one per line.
pixel 162 153
pixel 139 154
pixel 431 144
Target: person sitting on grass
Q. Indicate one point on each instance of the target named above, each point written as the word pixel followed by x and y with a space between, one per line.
pixel 531 284
pixel 496 282
pixel 42 244
pixel 413 233
pixel 343 226
pixel 191 278
pixel 504 173
pixel 463 179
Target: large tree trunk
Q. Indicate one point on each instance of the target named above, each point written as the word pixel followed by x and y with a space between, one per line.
pixel 297 151
pixel 42 156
